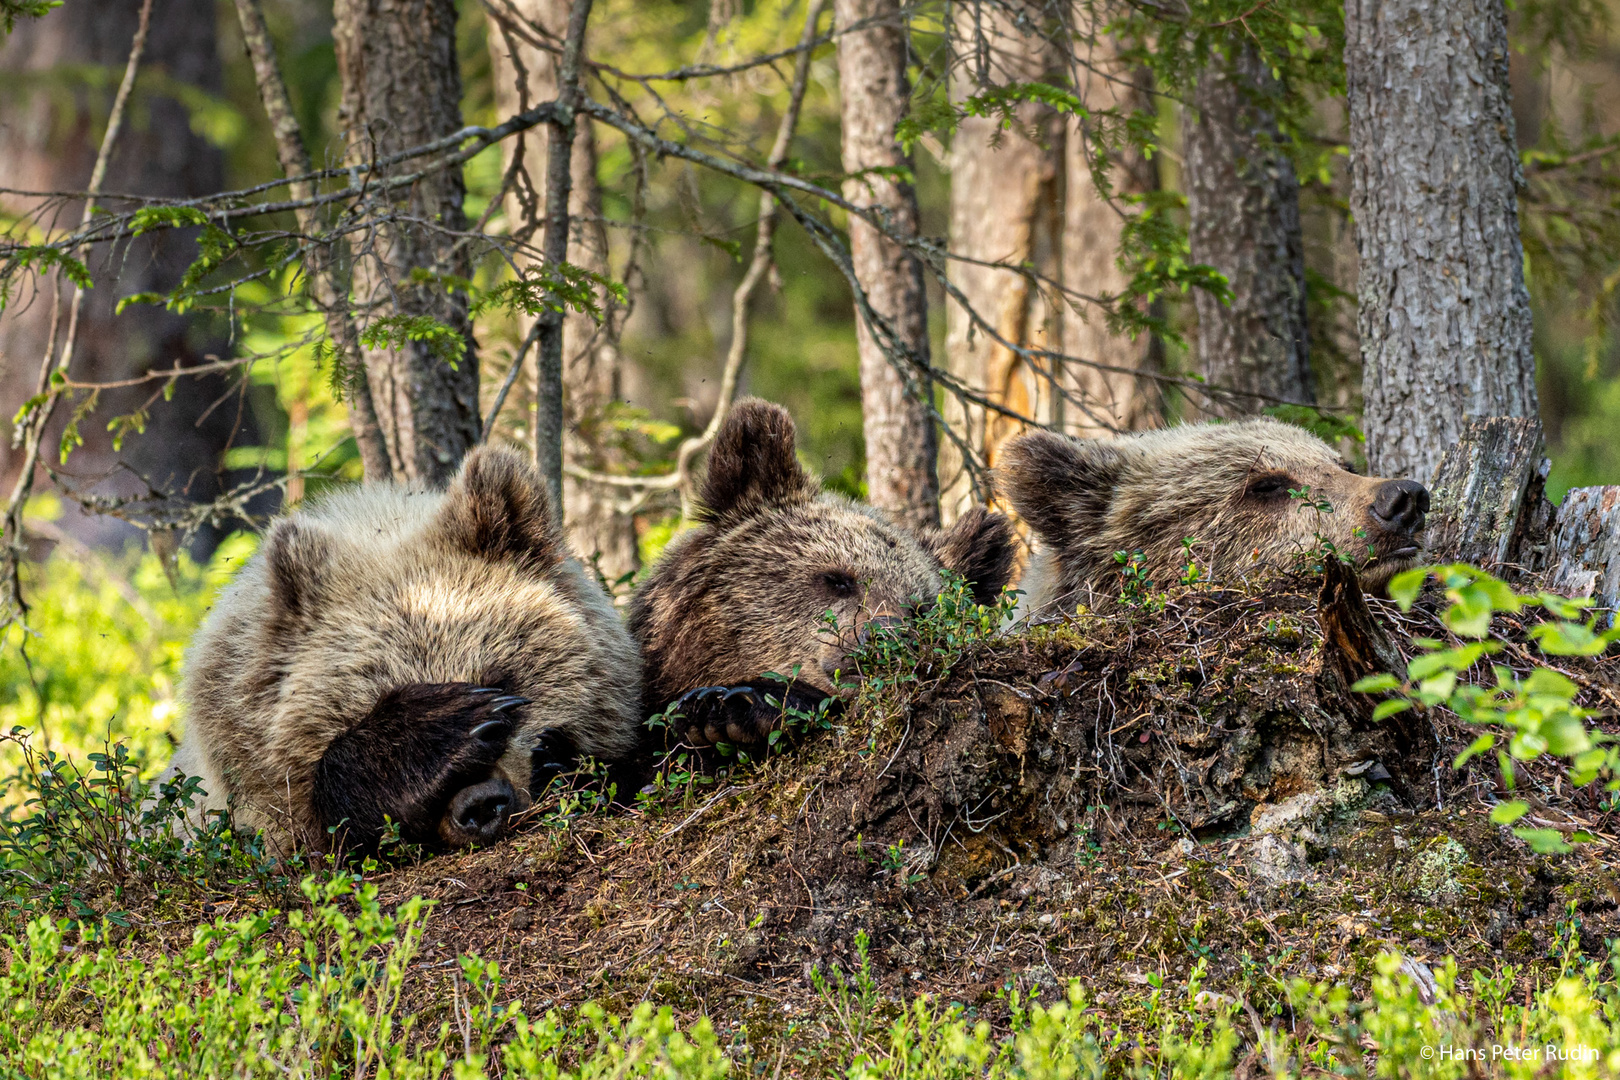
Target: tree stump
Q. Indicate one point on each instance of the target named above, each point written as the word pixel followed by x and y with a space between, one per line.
pixel 1487 494
pixel 1583 551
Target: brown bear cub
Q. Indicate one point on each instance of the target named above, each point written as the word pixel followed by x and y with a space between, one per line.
pixel 747 593
pixel 425 657
pixel 1225 486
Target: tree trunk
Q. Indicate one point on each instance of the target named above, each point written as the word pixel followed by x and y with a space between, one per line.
pixel 526 76
pixel 1243 211
pixel 401 86
pixel 1444 314
pixel 1003 209
pixel 1099 402
pixel 896 420
pixel 48 141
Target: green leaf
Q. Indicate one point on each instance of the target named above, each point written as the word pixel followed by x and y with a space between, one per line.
pixel 1478 746
pixel 1404 587
pixel 1508 812
pixel 1548 681
pixel 1544 841
pixel 1375 684
pixel 1390 708
pixel 395 331
pixel 148 218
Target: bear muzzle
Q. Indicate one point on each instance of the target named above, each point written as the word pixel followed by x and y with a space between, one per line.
pixel 479 813
pixel 1400 508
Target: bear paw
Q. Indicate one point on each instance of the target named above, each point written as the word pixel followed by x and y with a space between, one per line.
pixel 422 759
pixel 744 714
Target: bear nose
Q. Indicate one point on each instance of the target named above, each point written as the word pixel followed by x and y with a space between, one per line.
pixel 477 814
pixel 1400 505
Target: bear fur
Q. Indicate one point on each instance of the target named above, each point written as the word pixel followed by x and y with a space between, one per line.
pixel 428 655
pixel 746 592
pixel 1225 486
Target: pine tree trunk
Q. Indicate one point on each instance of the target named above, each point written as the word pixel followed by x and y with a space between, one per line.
pixel 1444 314
pixel 1004 208
pixel 526 76
pixel 1099 402
pixel 1243 219
pixel 900 436
pixel 48 141
pixel 401 86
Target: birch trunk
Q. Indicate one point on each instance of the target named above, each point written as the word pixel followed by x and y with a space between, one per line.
pixel 401 86
pixel 1004 208
pixel 526 76
pixel 1243 219
pixel 899 430
pixel 1100 402
pixel 1444 315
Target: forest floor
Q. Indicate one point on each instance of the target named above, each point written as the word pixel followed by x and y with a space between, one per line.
pixel 1024 811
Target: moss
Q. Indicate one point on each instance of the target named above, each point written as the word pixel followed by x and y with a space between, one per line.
pixel 1435 870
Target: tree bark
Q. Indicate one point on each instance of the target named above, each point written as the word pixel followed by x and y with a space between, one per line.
pixel 592 365
pixel 1243 219
pixel 48 141
pixel 1444 313
pixel 1101 402
pixel 896 417
pixel 401 86
pixel 1004 208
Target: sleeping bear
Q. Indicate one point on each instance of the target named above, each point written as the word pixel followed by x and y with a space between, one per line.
pixel 1227 487
pixel 428 658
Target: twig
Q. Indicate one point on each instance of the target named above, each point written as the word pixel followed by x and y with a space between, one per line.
pixel 511 378
pixel 329 295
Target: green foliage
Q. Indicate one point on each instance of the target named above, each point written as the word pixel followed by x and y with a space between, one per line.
pixel 555 289
pixel 87 842
pixel 398 330
pixel 12 10
pixel 1538 712
pixel 925 648
pixel 40 258
pixel 101 662
pixel 314 992
pixel 1000 102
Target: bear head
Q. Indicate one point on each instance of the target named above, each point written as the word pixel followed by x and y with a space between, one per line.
pixel 429 657
pixel 1253 495
pixel 782 577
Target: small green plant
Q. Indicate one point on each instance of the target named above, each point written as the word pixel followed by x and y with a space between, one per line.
pixel 1534 715
pixel 1191 572
pixel 927 646
pixel 1135 587
pixel 81 840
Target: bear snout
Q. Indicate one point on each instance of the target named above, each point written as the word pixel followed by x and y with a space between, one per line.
pixel 478 814
pixel 1401 506
pixel 877 626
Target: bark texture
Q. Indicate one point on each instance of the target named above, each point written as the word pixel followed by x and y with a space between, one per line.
pixel 1097 401
pixel 526 76
pixel 49 135
pixel 1004 208
pixel 1243 219
pixel 1444 314
pixel 900 436
pixel 401 86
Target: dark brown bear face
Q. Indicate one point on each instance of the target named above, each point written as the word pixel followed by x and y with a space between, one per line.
pixel 1253 495
pixel 784 578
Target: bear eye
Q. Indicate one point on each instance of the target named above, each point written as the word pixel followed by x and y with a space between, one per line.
pixel 838 582
pixel 1270 486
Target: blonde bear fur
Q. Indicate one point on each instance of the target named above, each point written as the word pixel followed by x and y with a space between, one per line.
pixel 393 590
pixel 1225 486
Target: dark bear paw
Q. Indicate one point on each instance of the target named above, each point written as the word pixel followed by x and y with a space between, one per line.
pixel 423 759
pixel 745 714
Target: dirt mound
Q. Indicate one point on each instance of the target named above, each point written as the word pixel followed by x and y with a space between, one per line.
pixel 1114 799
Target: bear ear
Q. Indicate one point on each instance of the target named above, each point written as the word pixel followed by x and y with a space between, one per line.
pixel 980 548
pixel 752 466
pixel 1059 484
pixel 497 508
pixel 297 554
